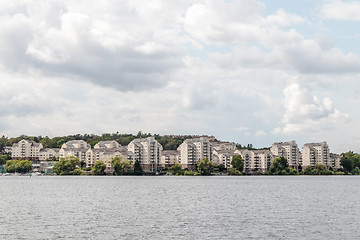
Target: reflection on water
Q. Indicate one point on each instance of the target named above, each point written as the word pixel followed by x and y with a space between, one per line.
pixel 291 207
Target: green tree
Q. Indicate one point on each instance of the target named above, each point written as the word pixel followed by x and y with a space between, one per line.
pixel 205 167
pixel 99 168
pixel 66 166
pixel 137 168
pixel 350 160
pixel 120 166
pixel 177 169
pixel 238 163
pixel 3 159
pixel 20 166
pixel 233 171
pixel 280 166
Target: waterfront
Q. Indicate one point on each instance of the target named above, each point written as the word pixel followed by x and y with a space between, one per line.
pixel 257 207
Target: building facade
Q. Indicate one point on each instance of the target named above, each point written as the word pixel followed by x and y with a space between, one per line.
pixel 169 158
pixel 74 148
pixel 316 153
pixel 288 150
pixel 26 149
pixel 194 150
pixel 147 151
pixel 49 154
pixel 256 160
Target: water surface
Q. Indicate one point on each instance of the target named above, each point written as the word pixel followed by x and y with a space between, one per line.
pixel 258 207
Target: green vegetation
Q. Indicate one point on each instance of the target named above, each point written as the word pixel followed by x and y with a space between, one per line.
pixel 238 163
pixel 177 169
pixel 205 167
pixel 3 159
pixel 120 166
pixel 67 166
pixel 233 171
pixel 20 166
pixel 350 161
pixel 137 168
pixel 280 166
pixel 99 168
pixel 319 169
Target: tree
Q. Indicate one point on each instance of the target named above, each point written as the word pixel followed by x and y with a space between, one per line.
pixel 137 168
pixel 233 171
pixel 120 166
pixel 177 169
pixel 350 160
pixel 20 166
pixel 3 159
pixel 205 167
pixel 280 166
pixel 237 162
pixel 99 168
pixel 66 166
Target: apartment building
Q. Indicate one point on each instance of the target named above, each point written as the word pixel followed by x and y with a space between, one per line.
pixel 74 148
pixel 49 154
pixel 26 149
pixel 316 153
pixel 335 160
pixel 224 157
pixel 256 160
pixel 169 158
pixel 223 146
pixel 107 145
pixel 105 151
pixel 147 151
pixel 288 150
pixel 194 150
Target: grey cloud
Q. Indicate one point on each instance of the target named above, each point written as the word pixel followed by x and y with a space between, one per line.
pixel 26 46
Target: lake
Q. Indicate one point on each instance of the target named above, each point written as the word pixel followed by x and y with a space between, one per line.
pixel 169 207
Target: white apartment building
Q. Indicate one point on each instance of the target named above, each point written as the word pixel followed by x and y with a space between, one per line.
pixel 147 151
pixel 256 160
pixel 223 146
pixel 194 150
pixel 74 148
pixel 224 157
pixel 48 154
pixel 169 158
pixel 107 145
pixel 335 160
pixel 316 153
pixel 106 155
pixel 26 149
pixel 288 150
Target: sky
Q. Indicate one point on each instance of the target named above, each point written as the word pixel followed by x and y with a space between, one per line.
pixel 242 70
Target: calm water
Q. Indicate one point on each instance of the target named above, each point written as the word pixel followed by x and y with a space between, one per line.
pixel 296 207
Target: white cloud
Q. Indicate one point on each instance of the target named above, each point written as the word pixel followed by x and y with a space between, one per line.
pixel 340 10
pixel 260 133
pixel 283 18
pixel 304 112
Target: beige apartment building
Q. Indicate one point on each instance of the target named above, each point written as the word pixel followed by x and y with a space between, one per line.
pixel 316 153
pixel 194 150
pixel 256 160
pixel 224 157
pixel 169 158
pixel 49 154
pixel 147 151
pixel 288 150
pixel 26 149
pixel 74 148
pixel 223 146
pixel 105 151
pixel 335 160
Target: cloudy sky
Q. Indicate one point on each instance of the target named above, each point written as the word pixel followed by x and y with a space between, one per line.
pixel 243 70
